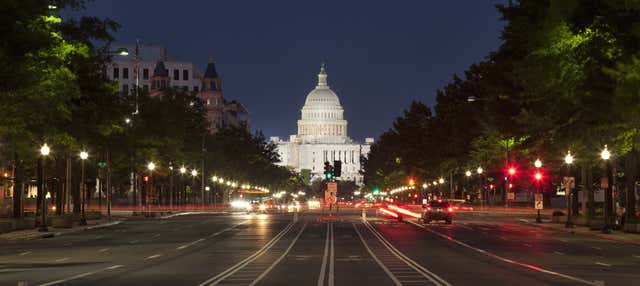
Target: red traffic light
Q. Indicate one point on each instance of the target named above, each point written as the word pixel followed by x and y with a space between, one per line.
pixel 145 178
pixel 491 186
pixel 538 176
pixel 510 186
pixel 512 171
pixel 412 182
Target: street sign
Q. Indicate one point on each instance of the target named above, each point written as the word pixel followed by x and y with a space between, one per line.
pixel 569 182
pixel 511 196
pixel 330 196
pixel 538 201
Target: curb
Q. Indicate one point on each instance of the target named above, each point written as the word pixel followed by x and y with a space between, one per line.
pixel 59 233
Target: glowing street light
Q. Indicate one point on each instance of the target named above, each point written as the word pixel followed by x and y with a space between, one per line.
pixel 605 154
pixel 194 172
pixel 84 155
pixel 45 150
pixel 479 170
pixel 151 166
pixel 512 171
pixel 441 181
pixel 215 178
pixel 537 163
pixel 568 158
pixel 467 173
pixel 424 186
pixel 183 170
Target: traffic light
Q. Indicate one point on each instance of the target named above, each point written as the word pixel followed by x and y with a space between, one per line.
pixel 337 168
pixel 510 186
pixel 491 186
pixel 512 171
pixel 145 179
pixel 538 176
pixel 328 171
pixel 412 182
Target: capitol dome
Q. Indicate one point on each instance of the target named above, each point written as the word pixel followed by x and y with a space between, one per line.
pixel 322 114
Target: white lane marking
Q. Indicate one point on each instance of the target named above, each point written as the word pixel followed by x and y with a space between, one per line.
pixel 233 269
pixel 153 256
pixel 323 266
pixel 332 260
pixel 558 253
pixel 595 247
pixel 24 253
pixel 603 264
pixel 134 241
pixel 228 229
pixel 181 247
pixel 636 256
pixel 434 278
pixel 103 250
pixel 523 220
pixel 528 245
pixel 61 259
pixel 507 260
pixel 155 235
pixel 562 239
pixel 384 268
pixel 286 252
pixel 99 236
pixel 82 275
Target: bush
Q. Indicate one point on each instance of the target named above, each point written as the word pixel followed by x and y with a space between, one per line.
pixel 557 213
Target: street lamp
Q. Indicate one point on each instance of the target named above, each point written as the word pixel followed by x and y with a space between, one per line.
pixel 441 181
pixel 568 159
pixel 467 173
pixel 183 170
pixel 44 151
pixel 151 166
pixel 479 170
pixel 83 217
pixel 606 155
pixel 538 177
pixel 537 163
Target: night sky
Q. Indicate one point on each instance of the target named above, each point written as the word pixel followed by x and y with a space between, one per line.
pixel 380 55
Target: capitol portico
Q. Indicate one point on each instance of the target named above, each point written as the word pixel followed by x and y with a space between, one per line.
pixel 322 136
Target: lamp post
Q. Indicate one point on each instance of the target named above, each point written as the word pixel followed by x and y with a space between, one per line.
pixel 171 186
pixel 568 159
pixel 194 174
pixel 538 177
pixel 44 151
pixel 479 171
pixel 183 171
pixel 606 156
pixel 83 217
pixel 151 166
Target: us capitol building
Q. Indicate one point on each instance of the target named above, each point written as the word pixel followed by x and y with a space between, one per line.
pixel 322 136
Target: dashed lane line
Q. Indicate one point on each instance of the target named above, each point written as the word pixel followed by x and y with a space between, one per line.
pixel 603 264
pixel 181 247
pixel 103 250
pixel 558 253
pixel 24 253
pixel 153 256
pixel 81 275
pixel 61 259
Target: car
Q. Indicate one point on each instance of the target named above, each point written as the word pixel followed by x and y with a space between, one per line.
pixel 437 210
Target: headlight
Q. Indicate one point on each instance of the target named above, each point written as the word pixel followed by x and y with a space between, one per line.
pixel 240 205
pixel 263 207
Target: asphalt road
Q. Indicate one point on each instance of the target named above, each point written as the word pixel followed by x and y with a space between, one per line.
pixel 316 249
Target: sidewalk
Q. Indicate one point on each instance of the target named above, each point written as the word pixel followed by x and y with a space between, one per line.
pixel 618 236
pixel 29 234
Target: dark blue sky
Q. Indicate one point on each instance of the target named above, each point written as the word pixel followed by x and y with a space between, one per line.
pixel 381 54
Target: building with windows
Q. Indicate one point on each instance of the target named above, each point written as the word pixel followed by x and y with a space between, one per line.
pixel 158 70
pixel 322 136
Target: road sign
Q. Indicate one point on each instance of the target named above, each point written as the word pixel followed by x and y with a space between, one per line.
pixel 538 201
pixel 330 196
pixel 511 196
pixel 569 182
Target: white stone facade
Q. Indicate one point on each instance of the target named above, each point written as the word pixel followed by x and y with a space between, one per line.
pixel 322 136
